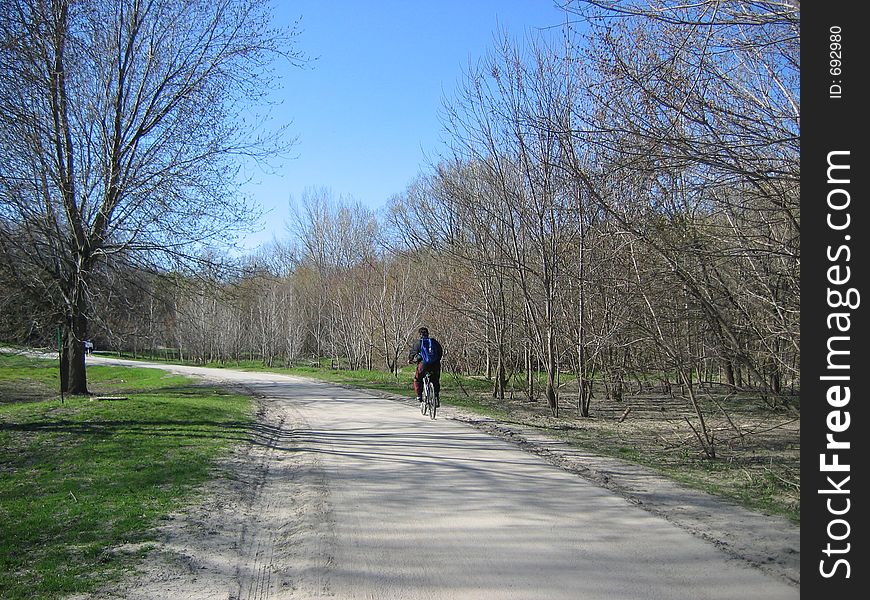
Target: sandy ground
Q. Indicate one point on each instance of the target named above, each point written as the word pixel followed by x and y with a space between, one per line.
pixel 349 494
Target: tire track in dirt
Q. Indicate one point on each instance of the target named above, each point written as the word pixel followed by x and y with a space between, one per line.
pixel 284 543
pixel 256 561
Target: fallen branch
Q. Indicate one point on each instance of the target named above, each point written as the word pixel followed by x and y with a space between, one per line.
pixel 709 450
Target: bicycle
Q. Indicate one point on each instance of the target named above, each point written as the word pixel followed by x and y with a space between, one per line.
pixel 428 403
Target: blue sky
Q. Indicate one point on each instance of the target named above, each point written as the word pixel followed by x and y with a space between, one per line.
pixel 366 112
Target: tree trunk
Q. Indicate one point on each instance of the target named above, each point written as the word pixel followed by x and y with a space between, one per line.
pixel 552 402
pixel 552 367
pixel 530 372
pixel 583 391
pixel 729 373
pixel 488 354
pixel 499 384
pixel 77 380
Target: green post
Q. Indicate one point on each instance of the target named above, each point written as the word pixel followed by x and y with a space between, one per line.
pixel 60 361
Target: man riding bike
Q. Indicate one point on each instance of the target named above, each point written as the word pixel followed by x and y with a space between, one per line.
pixel 426 352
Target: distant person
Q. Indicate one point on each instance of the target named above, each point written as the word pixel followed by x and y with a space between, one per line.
pixel 89 346
pixel 427 353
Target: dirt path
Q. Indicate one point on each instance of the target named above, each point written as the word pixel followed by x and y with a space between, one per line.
pixel 346 494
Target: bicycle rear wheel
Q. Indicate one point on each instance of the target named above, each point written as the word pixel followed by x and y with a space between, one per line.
pixel 430 396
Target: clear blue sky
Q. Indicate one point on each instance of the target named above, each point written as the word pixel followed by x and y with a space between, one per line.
pixel 366 111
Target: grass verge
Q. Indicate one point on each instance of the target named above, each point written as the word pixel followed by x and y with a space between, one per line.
pixel 83 478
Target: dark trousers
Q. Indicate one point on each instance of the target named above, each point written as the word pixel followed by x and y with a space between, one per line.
pixel 434 376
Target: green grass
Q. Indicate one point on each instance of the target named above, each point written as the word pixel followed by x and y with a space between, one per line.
pixel 80 478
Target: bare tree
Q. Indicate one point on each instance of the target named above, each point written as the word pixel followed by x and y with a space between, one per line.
pixel 692 115
pixel 120 135
pixel 334 250
pixel 398 311
pixel 496 122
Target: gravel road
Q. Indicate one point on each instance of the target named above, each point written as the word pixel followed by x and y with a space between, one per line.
pixel 346 494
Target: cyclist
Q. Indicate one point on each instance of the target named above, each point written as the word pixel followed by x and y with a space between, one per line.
pixel 426 348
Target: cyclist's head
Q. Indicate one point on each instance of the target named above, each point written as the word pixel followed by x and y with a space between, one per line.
pixel 423 332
